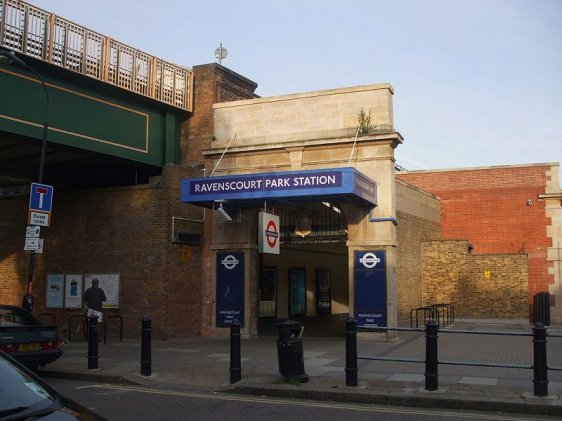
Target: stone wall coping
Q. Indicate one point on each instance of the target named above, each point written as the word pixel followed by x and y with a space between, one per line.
pixel 393 137
pixel 491 167
pixel 291 97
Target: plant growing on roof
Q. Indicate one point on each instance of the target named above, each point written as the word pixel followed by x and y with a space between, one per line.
pixel 365 125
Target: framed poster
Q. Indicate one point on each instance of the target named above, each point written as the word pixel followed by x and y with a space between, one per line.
pixel 109 282
pixel 323 292
pixel 73 291
pixel 268 292
pixel 55 290
pixel 297 291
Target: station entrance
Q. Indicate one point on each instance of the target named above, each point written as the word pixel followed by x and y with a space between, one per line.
pixel 308 280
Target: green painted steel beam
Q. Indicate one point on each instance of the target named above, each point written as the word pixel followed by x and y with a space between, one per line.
pixel 86 115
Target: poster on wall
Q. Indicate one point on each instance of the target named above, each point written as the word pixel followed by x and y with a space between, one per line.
pixel 323 292
pixel 109 282
pixel 230 288
pixel 268 292
pixel 73 291
pixel 55 290
pixel 297 291
pixel 370 288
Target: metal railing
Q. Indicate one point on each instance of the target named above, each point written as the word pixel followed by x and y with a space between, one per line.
pixel 43 35
pixel 540 367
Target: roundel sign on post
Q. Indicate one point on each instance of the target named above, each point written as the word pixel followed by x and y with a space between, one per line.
pixel 268 236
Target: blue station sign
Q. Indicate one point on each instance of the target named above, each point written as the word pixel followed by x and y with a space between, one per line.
pixel 327 183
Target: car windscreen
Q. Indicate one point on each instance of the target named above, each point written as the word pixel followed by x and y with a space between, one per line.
pixel 13 316
pixel 19 391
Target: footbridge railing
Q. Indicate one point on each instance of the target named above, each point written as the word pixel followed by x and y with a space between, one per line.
pixel 36 33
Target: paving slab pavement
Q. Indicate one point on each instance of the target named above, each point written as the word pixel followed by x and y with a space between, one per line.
pixel 203 364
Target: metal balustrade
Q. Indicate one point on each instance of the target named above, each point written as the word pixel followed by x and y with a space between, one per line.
pixel 36 33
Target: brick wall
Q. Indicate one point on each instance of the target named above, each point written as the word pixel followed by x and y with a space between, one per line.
pixel 480 286
pixel 14 261
pixel 123 230
pixel 411 232
pixel 212 84
pixel 489 207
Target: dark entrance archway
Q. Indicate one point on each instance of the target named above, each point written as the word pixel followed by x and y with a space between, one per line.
pixel 308 280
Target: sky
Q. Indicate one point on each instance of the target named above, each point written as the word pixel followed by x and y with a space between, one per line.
pixel 477 82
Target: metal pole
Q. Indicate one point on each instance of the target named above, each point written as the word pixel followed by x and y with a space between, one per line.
pixel 92 342
pixel 146 361
pixel 351 352
pixel 540 367
pixel 235 355
pixel 431 363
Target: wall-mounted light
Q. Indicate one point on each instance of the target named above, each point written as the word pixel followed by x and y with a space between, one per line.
pixel 529 202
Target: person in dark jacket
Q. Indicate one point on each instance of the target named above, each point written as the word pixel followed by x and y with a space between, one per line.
pixel 93 299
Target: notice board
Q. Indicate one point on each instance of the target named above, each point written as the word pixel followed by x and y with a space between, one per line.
pixel 109 282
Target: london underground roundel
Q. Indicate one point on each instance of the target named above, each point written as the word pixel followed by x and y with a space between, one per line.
pixel 269 233
pixel 272 233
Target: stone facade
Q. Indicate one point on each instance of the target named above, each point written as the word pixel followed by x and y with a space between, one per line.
pixel 311 131
pixel 479 286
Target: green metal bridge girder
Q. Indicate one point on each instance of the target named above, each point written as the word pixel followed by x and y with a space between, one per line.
pixel 90 115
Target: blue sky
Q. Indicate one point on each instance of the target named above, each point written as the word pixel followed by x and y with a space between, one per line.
pixel 477 82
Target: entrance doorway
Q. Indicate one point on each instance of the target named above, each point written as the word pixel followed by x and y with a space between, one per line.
pixel 308 280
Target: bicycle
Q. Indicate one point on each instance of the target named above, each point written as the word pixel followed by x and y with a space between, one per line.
pixel 77 323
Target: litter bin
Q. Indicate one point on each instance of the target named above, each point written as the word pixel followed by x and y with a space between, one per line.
pixel 541 307
pixel 290 352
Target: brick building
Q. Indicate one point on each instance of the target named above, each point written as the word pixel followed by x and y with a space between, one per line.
pixel 505 209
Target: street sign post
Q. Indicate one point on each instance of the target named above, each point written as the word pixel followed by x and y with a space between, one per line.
pixel 31 244
pixel 41 197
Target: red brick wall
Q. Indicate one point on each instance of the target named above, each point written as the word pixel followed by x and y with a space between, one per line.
pixel 488 207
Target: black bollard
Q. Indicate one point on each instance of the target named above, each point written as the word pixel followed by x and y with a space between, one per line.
pixel 431 373
pixel 350 352
pixel 540 367
pixel 235 355
pixel 92 342
pixel 146 362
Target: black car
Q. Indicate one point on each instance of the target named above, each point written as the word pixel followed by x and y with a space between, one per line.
pixel 26 339
pixel 23 395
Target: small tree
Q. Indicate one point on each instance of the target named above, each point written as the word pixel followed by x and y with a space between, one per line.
pixel 365 126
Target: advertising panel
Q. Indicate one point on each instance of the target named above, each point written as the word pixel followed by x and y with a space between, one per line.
pixel 297 291
pixel 73 291
pixel 55 290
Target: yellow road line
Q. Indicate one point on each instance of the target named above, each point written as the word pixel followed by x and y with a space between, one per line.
pixel 331 405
